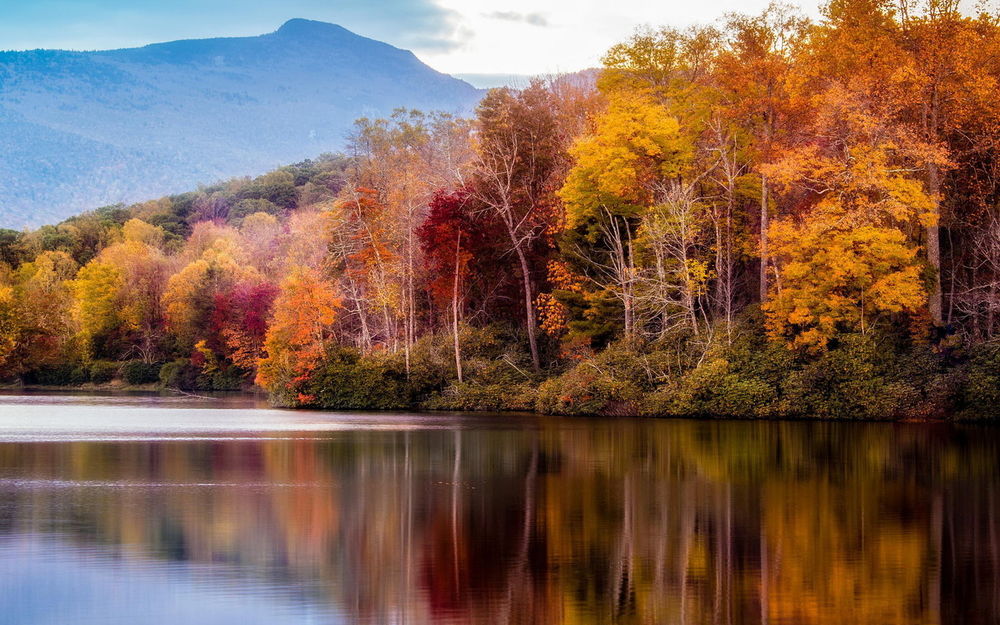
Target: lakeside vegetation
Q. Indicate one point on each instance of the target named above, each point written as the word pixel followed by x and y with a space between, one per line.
pixel 766 217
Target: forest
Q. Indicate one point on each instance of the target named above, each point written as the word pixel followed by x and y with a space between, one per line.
pixel 768 216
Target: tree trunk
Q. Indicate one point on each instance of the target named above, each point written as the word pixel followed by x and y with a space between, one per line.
pixel 720 273
pixel 454 307
pixel 529 309
pixel 934 229
pixel 409 330
pixel 934 246
pixel 764 218
pixel 626 272
pixel 729 267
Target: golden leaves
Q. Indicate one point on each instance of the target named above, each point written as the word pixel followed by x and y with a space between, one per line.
pixel 835 280
pixel 636 143
pixel 96 290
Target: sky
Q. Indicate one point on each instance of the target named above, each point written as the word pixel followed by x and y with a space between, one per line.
pixel 453 36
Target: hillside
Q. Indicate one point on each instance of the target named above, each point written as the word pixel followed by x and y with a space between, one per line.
pixel 84 129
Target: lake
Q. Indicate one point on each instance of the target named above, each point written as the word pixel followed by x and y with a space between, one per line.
pixel 158 510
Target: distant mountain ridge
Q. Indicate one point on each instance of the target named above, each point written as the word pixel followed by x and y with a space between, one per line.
pixel 80 130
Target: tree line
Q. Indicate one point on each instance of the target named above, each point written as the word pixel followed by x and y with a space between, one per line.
pixel 758 216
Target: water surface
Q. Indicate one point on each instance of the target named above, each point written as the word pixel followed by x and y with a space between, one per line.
pixel 183 510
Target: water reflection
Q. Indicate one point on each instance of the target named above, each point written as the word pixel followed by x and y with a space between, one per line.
pixel 489 522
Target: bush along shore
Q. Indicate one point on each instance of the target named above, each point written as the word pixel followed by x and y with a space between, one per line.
pixel 740 375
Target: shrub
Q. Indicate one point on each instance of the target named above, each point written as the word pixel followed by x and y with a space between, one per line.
pixel 497 374
pixel 716 389
pixel 138 372
pixel 611 383
pixel 229 379
pixel 848 381
pixel 978 384
pixel 347 380
pixel 180 374
pixel 80 375
pixel 103 371
pixel 485 397
pixel 56 375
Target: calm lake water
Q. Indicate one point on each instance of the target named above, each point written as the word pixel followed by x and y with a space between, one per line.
pixel 178 510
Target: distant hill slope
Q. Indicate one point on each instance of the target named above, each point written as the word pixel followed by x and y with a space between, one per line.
pixel 84 129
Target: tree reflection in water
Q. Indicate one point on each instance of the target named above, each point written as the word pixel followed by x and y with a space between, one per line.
pixel 559 522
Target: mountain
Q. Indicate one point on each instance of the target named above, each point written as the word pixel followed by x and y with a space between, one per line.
pixel 85 129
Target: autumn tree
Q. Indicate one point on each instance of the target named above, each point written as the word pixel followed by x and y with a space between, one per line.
pixel 305 308
pixel 448 240
pixel 42 291
pixel 241 317
pixel 753 73
pixel 129 277
pixel 836 280
pixel 676 275
pixel 620 170
pixel 9 328
pixel 97 290
pixel 519 154
pixel 951 104
pixel 400 163
pixel 847 258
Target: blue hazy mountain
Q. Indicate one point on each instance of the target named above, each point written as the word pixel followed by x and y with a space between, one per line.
pixel 80 130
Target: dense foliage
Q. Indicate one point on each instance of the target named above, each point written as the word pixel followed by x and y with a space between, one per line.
pixel 767 217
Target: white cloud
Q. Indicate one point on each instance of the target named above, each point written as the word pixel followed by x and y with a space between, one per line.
pixel 535 19
pixel 576 32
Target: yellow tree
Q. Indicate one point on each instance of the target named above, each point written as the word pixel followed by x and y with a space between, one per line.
pixel 44 310
pixel 840 279
pixel 635 145
pixel 141 232
pixel 96 291
pixel 847 261
pixel 620 170
pixel 120 291
pixel 9 329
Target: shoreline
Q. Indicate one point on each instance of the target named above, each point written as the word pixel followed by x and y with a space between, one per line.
pixel 113 389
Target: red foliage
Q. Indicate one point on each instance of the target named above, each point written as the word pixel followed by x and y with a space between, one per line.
pixel 238 322
pixel 489 283
pixel 448 241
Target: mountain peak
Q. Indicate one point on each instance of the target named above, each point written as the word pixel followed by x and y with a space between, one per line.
pixel 299 27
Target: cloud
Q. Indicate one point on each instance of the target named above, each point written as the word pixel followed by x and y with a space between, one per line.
pixel 535 19
pixel 421 25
